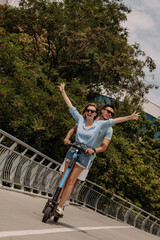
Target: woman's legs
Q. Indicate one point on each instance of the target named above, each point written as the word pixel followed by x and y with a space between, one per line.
pixel 70 184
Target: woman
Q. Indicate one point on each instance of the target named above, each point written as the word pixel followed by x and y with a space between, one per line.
pixel 87 132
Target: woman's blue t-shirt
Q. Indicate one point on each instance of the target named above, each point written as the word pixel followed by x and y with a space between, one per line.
pixel 88 136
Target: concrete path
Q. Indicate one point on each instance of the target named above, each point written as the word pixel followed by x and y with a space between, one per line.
pixel 21 215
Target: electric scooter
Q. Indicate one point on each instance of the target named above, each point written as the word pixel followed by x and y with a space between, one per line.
pixel 51 205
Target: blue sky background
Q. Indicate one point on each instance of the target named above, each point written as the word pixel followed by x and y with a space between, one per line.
pixel 143 25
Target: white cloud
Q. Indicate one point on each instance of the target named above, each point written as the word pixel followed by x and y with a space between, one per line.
pixel 152 5
pixel 143 25
pixel 139 21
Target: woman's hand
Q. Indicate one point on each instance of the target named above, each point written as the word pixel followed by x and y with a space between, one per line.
pixel 135 115
pixel 89 151
pixel 66 98
pixel 61 87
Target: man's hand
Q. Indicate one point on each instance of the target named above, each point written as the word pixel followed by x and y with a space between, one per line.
pixel 89 151
pixel 135 115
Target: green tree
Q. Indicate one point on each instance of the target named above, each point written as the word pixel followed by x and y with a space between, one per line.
pixel 30 104
pixel 130 166
pixel 85 40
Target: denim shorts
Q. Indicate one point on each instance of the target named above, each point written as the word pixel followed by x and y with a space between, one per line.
pixel 82 159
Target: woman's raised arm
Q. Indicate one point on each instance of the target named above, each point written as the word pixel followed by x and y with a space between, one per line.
pixel 66 98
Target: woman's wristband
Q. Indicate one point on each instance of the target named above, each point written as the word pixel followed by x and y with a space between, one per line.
pixel 94 150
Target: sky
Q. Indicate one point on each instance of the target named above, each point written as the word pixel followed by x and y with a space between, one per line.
pixel 143 25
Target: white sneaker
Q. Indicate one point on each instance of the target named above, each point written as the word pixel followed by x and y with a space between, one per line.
pixel 60 211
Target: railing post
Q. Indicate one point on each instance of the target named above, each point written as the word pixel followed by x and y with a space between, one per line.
pixel 39 179
pixel 126 216
pixel 49 178
pixel 13 169
pixel 117 211
pixel 3 158
pixel 152 226
pixel 144 222
pixel 87 194
pixel 135 219
pixel 97 200
pixel 23 172
pixel 75 194
pixel 106 210
pixel 158 232
pixel 33 176
pixel 2 138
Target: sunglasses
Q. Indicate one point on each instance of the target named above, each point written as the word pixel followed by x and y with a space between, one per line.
pixel 89 110
pixel 112 114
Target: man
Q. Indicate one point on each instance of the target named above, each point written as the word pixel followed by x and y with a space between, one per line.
pixel 103 140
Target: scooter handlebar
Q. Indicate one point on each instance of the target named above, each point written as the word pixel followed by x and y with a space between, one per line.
pixel 77 146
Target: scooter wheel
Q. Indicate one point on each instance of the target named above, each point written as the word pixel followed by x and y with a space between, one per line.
pixel 47 214
pixel 55 219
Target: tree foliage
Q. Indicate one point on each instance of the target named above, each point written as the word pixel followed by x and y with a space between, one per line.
pixel 83 39
pixel 130 166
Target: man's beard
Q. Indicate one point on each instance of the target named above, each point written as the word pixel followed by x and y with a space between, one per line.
pixel 104 118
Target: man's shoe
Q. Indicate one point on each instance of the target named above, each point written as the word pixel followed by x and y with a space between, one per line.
pixel 66 203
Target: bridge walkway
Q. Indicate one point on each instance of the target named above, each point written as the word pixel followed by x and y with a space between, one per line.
pixel 21 216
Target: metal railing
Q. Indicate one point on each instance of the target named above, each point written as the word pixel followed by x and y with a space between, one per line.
pixel 24 169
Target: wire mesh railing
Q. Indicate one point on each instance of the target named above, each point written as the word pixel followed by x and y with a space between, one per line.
pixel 24 169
